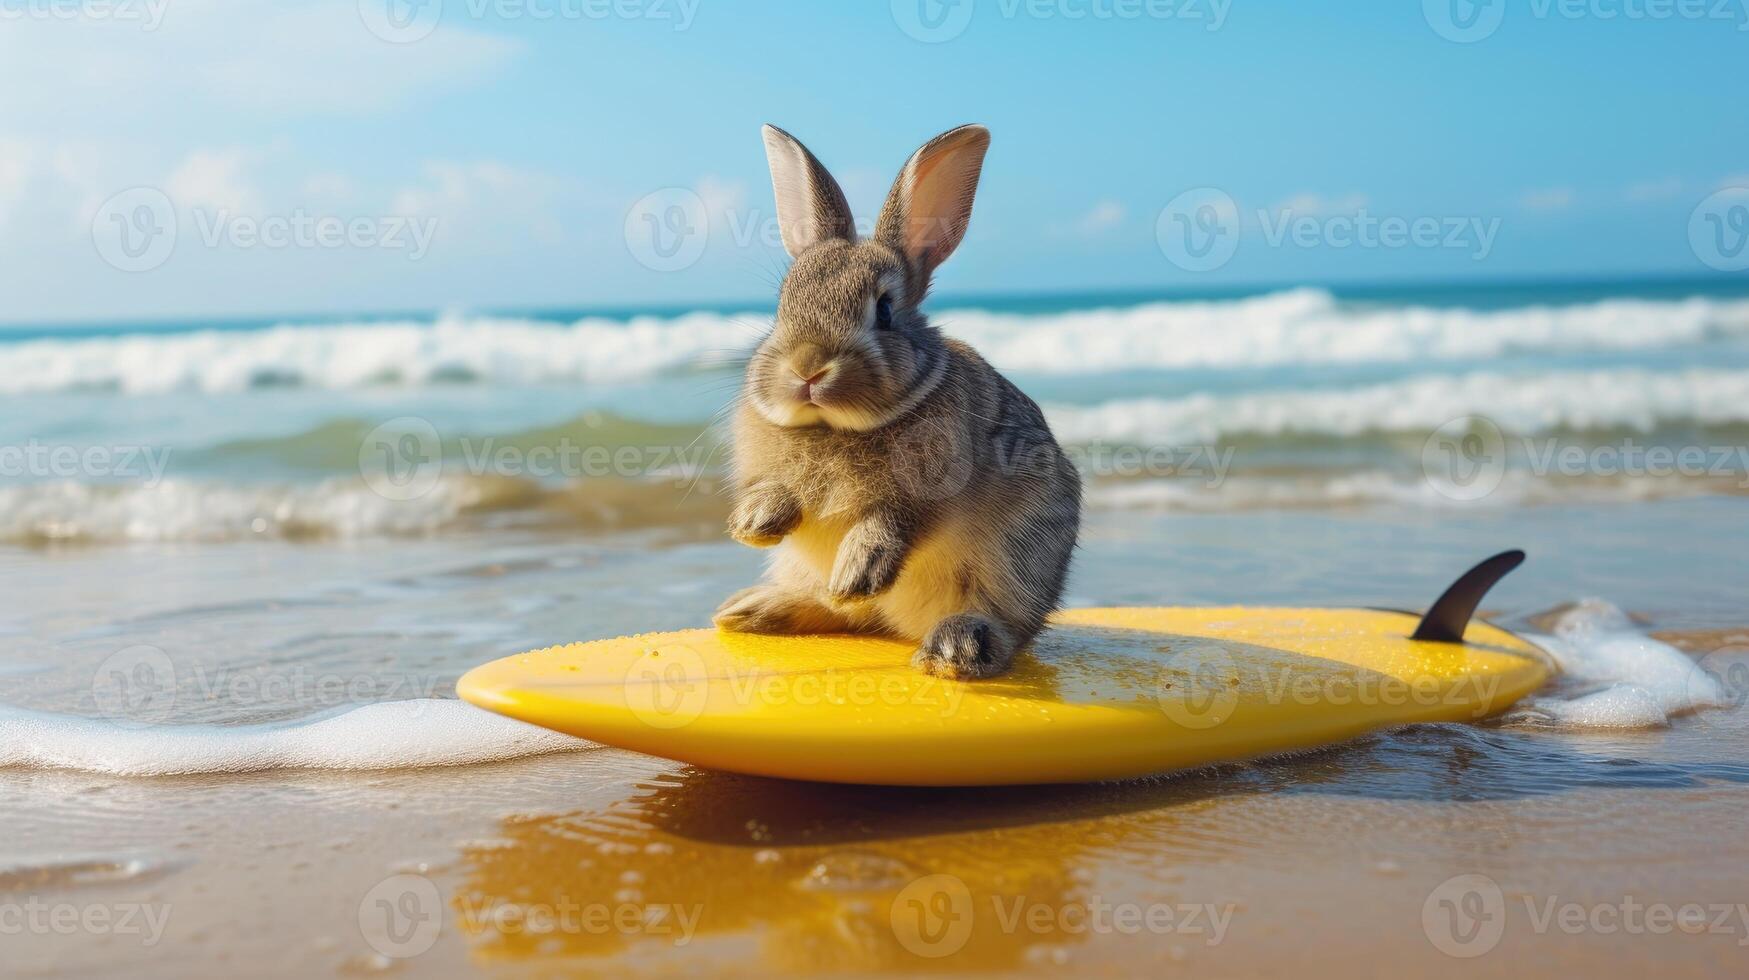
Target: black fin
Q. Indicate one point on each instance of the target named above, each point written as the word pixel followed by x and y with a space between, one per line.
pixel 1446 619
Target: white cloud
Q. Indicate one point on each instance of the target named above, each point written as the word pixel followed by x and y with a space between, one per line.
pixel 17 163
pixel 289 58
pixel 1548 199
pixel 724 200
pixel 1103 217
pixel 1309 203
pixel 484 200
pixel 213 180
pixel 328 186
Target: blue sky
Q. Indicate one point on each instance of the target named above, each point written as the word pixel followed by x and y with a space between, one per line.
pixel 1575 139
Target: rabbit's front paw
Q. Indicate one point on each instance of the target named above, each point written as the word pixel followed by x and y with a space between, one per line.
pixel 964 647
pixel 763 516
pixel 868 563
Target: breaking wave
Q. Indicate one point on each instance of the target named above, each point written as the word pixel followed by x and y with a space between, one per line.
pixel 1302 326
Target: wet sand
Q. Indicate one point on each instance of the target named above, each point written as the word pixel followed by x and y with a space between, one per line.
pixel 1445 850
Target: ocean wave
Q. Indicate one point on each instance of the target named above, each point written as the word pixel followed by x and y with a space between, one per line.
pixel 1571 401
pixel 1304 326
pixel 347 508
pixel 189 510
pixel 1310 326
pixel 1389 488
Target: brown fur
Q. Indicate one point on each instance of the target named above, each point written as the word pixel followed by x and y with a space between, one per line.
pixel 917 492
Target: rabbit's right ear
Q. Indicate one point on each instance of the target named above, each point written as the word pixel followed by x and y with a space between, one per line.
pixel 810 206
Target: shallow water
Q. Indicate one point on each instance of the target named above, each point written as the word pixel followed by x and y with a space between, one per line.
pixel 598 861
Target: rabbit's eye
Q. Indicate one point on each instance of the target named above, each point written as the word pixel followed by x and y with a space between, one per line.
pixel 883 314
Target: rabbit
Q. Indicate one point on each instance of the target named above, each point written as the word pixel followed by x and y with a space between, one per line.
pixel 908 488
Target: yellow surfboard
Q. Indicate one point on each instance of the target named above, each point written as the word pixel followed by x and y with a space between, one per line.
pixel 1104 694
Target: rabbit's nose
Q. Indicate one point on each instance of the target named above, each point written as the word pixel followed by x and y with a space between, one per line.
pixel 812 379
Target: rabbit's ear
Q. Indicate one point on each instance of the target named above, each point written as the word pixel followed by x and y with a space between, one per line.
pixel 810 205
pixel 931 203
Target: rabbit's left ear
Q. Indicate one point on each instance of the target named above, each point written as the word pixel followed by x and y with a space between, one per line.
pixel 927 212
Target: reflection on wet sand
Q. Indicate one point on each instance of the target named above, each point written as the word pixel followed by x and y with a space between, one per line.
pixel 827 877
pixel 715 870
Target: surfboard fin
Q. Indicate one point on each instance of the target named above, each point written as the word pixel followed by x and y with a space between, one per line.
pixel 1451 612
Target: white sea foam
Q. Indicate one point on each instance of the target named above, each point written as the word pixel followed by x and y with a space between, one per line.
pixel 1619 676
pixel 1314 490
pixel 1309 326
pixel 389 735
pixel 1303 326
pixel 1575 400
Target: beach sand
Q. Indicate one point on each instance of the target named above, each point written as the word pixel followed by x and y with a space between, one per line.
pixel 1508 848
